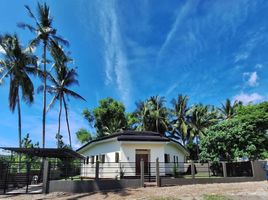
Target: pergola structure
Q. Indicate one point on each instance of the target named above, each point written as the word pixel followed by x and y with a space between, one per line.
pixel 46 152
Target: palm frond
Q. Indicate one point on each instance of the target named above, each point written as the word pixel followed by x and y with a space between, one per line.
pixel 73 94
pixel 26 26
pixel 51 104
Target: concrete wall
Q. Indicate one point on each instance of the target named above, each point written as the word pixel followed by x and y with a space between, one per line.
pixel 92 185
pixel 258 175
pixel 183 181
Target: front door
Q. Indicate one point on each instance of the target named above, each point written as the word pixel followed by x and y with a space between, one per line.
pixel 145 158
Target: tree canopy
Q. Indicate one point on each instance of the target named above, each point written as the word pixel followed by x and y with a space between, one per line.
pixel 245 135
pixel 108 117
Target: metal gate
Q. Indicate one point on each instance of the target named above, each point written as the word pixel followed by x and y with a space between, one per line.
pixel 21 177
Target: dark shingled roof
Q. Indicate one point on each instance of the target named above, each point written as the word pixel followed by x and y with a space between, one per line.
pixel 134 136
pixel 46 152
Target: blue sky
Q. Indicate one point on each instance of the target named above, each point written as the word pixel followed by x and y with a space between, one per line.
pixel 129 50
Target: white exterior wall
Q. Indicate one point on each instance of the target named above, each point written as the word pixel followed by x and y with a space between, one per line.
pixel 127 157
pixel 128 154
pixel 173 150
pixel 109 169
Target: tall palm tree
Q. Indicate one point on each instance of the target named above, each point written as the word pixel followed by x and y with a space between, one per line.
pixel 46 34
pixel 180 127
pixel 17 64
pixel 228 110
pixel 200 119
pixel 152 115
pixel 63 79
pixel 142 115
pixel 158 114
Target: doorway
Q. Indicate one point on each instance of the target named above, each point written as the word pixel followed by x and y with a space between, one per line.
pixel 142 154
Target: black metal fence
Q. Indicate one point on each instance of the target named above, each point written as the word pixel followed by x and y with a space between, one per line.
pixel 129 170
pixel 20 177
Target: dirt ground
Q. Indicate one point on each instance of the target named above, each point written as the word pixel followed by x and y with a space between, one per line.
pixel 235 191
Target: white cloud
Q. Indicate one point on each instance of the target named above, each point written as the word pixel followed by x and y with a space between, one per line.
pixel 116 63
pixel 171 89
pixel 259 66
pixel 252 78
pixel 241 56
pixel 248 98
pixel 183 12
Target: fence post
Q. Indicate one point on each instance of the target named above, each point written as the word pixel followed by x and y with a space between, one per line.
pixel 252 168
pixel 6 178
pixel 28 168
pixel 224 169
pixel 192 169
pixel 46 175
pixel 142 172
pixel 97 170
pixel 157 173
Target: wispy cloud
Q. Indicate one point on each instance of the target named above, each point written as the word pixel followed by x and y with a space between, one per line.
pixel 241 56
pixel 251 78
pixel 259 66
pixel 115 59
pixel 182 13
pixel 248 98
pixel 171 89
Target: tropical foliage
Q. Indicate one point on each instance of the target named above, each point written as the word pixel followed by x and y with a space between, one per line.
pixel 47 35
pixel 17 64
pixel 108 117
pixel 83 136
pixel 243 136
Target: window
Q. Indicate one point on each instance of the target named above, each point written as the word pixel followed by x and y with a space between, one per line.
pixel 167 158
pixel 97 158
pixel 177 158
pixel 92 160
pixel 116 157
pixel 174 159
pixel 103 158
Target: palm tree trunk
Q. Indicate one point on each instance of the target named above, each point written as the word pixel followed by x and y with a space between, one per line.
pixel 59 122
pixel 19 127
pixel 44 94
pixel 67 121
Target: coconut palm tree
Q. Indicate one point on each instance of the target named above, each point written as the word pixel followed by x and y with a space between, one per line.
pixel 200 118
pixel 63 79
pixel 17 64
pixel 158 114
pixel 180 127
pixel 142 115
pixel 228 110
pixel 46 34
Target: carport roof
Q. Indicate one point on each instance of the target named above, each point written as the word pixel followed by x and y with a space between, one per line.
pixel 46 152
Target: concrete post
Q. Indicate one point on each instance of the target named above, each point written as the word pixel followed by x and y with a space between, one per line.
pixel 46 175
pixel 142 172
pixel 192 169
pixel 157 173
pixel 224 169
pixel 97 169
pixel 252 168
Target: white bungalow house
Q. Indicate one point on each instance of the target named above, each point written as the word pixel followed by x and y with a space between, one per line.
pixel 120 154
